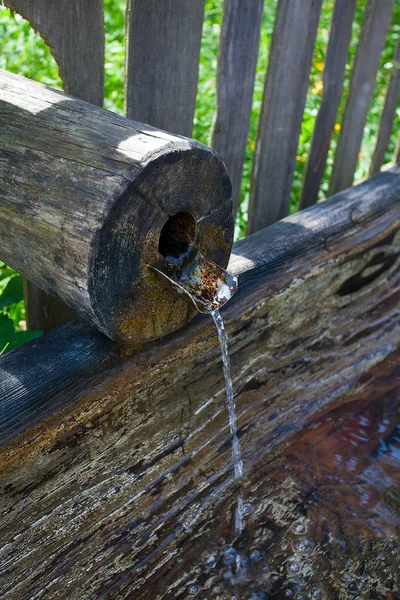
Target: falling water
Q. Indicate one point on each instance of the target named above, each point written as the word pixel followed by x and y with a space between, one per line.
pixel 209 287
pixel 236 454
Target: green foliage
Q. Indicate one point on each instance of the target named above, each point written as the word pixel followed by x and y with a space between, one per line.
pixel 23 51
pixel 114 27
pixel 13 292
pixel 11 338
pixel 12 311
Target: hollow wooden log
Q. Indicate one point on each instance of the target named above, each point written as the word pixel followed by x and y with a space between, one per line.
pixel 116 470
pixel 84 197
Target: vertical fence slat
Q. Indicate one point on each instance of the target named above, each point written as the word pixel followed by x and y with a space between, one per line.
pixel 163 50
pixel 388 115
pixel 237 61
pixel 334 71
pixel 362 82
pixel 74 31
pixel 284 99
pixel 396 155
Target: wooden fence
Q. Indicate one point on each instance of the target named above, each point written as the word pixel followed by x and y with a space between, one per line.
pixel 162 61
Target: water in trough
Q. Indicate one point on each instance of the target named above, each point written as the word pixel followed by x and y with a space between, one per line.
pixel 322 520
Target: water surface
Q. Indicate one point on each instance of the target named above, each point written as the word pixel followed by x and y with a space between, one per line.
pixel 321 512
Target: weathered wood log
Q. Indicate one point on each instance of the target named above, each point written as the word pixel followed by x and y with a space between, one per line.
pixel 74 32
pixel 117 478
pixel 84 198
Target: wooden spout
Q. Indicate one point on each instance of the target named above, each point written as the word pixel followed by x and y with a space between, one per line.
pixel 89 199
pixel 207 284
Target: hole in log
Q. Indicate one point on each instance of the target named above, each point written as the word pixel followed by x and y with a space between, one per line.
pixel 177 235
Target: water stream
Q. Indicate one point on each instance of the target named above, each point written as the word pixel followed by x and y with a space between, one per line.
pixel 236 453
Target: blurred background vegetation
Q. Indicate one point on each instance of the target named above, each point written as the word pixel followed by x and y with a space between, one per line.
pixel 22 51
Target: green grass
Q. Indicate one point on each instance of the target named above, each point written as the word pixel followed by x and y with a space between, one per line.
pixel 23 51
pixel 12 311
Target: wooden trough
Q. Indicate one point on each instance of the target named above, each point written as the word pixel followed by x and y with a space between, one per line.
pixel 114 465
pixel 115 461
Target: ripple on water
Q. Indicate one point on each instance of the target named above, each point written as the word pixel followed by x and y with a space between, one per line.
pixel 304 547
pixel 300 540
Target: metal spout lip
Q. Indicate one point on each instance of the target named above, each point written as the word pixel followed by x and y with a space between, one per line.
pixel 208 285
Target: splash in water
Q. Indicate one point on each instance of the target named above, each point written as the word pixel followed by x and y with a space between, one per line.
pixel 236 454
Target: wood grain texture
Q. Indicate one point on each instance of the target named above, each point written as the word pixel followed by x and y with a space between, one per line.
pixel 334 71
pixel 74 32
pixel 237 60
pixel 84 195
pixel 282 109
pixel 125 475
pixel 162 54
pixel 366 63
pixel 388 115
